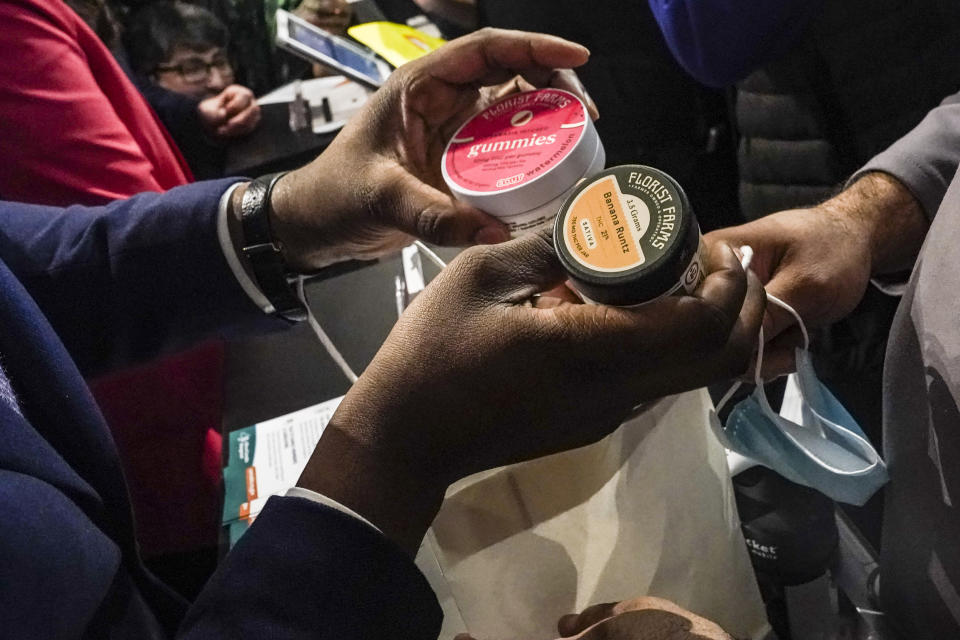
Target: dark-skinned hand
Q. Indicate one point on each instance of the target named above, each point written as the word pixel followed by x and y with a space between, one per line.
pixel 644 618
pixel 379 182
pixel 474 377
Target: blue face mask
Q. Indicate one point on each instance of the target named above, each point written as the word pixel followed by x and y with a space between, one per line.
pixel 826 451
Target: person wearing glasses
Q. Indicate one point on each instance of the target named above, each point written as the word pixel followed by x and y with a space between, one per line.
pixel 178 53
pixel 195 74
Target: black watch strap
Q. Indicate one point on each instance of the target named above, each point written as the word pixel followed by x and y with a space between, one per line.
pixel 264 252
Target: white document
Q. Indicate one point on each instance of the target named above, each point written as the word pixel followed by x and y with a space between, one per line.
pixel 266 459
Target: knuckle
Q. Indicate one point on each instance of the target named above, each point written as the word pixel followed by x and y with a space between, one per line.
pixel 812 278
pixel 409 79
pixel 470 264
pixel 820 282
pixel 430 225
pixel 484 269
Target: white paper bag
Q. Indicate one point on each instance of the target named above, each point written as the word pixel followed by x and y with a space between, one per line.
pixel 649 510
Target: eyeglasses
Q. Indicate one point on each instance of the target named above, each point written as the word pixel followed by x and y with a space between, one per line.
pixel 197 70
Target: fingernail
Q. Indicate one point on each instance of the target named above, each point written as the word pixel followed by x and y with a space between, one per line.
pixel 491 235
pixel 567 624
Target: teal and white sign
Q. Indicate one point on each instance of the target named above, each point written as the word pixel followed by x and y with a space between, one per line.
pixel 266 459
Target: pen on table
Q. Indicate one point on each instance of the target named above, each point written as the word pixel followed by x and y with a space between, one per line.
pixel 325 108
pixel 401 293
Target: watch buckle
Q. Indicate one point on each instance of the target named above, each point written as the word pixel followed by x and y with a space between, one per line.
pixel 259 249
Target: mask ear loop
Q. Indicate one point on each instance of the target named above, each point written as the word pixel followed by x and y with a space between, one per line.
pixel 322 335
pixel 746 253
pixel 325 340
pixel 796 316
pixel 746 257
pixel 764 403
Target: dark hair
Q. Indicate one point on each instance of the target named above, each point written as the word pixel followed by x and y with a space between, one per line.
pixel 154 32
pixel 100 17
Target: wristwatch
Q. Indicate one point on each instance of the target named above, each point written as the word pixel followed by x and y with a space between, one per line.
pixel 264 251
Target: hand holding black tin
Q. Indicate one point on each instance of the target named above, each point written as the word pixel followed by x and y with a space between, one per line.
pixel 473 376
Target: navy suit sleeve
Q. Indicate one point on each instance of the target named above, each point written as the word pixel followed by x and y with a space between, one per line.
pixel 304 570
pixel 722 41
pixel 122 282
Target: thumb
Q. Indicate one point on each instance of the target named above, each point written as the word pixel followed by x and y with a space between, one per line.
pixel 437 217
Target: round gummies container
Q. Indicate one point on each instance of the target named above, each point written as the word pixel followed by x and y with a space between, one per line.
pixel 519 158
pixel 628 236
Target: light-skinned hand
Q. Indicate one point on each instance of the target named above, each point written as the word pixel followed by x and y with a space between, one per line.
pixel 820 260
pixel 231 113
pixel 332 16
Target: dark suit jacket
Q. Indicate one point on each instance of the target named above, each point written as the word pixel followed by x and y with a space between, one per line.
pixel 83 289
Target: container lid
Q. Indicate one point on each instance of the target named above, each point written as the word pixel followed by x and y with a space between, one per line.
pixel 520 152
pixel 553 206
pixel 627 235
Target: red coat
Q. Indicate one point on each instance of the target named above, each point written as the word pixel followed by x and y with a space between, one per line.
pixel 73 128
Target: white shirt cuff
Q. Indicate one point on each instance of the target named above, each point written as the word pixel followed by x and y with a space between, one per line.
pixel 230 253
pixel 300 492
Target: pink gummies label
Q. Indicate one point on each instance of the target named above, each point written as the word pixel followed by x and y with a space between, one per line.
pixel 515 141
